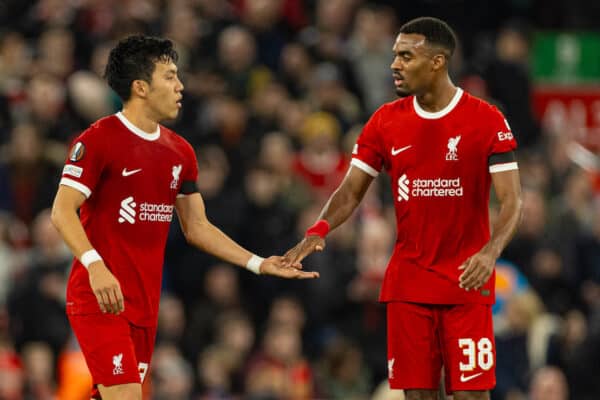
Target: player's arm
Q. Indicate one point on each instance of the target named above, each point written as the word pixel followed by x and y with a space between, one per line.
pixel 200 232
pixel 105 286
pixel 479 268
pixel 508 191
pixel 346 197
pixel 338 209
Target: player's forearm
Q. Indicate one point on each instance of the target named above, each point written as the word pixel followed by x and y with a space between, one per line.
pixel 505 226
pixel 212 240
pixel 339 207
pixel 69 226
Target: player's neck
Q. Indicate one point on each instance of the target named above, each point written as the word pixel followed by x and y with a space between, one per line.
pixel 438 97
pixel 136 115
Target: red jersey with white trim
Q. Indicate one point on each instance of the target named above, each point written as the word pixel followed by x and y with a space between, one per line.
pixel 131 180
pixel 439 168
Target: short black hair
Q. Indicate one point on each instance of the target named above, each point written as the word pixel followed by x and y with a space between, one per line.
pixel 134 58
pixel 436 32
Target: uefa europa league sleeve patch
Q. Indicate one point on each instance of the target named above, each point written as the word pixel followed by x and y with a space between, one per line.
pixel 77 152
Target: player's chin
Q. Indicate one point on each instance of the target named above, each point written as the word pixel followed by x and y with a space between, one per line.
pixel 402 91
pixel 173 113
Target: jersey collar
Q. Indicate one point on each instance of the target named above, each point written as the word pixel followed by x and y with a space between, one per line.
pixel 137 131
pixel 438 114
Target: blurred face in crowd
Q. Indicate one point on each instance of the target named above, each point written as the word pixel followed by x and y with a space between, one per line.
pixel 549 383
pixel 56 48
pixel 334 15
pixel 416 64
pixel 46 96
pixel 163 94
pixel 283 343
pixel 25 146
pixel 237 49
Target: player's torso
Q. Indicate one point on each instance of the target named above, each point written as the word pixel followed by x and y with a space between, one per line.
pixel 433 154
pixel 139 185
pixel 439 174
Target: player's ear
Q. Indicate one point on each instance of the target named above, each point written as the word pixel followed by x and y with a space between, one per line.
pixel 438 62
pixel 140 88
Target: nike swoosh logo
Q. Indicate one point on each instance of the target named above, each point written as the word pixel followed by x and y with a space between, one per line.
pixel 395 152
pixel 133 171
pixel 464 378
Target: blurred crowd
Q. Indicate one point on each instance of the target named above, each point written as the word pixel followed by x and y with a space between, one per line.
pixel 276 92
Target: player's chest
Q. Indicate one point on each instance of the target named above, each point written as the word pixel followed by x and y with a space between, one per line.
pixel 146 169
pixel 432 146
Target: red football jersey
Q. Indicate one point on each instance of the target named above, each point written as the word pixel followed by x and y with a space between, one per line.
pixel 440 170
pixel 131 180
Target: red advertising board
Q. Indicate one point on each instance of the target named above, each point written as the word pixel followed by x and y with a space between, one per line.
pixel 570 110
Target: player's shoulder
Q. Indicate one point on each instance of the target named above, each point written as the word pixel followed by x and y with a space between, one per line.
pixel 401 105
pixel 175 139
pixel 101 129
pixel 477 106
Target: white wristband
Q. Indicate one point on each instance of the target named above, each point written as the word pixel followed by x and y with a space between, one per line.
pixel 89 257
pixel 254 263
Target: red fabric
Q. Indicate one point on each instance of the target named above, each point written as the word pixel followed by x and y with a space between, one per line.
pixel 422 337
pixel 320 228
pixel 115 351
pixel 134 183
pixel 441 183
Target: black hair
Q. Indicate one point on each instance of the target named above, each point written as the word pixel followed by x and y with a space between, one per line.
pixel 436 32
pixel 133 58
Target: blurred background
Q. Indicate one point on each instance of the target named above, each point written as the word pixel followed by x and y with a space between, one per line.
pixel 276 92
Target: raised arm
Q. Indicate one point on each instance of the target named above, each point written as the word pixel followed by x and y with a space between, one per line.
pixel 479 267
pixel 200 232
pixel 338 209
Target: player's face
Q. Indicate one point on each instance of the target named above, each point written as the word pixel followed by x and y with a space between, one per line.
pixel 164 96
pixel 412 67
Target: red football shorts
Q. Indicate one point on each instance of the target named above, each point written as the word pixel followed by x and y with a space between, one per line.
pixel 423 338
pixel 115 351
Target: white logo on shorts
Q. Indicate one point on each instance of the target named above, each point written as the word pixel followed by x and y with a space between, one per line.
pixel 391 368
pixel 464 378
pixel 117 362
pixel 142 369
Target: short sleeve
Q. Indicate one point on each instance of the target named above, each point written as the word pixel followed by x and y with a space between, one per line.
pixel 366 154
pixel 501 153
pixel 85 162
pixel 190 172
pixel 503 139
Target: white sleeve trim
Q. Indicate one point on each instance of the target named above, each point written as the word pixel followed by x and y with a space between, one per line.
pixel 504 167
pixel 365 167
pixel 76 185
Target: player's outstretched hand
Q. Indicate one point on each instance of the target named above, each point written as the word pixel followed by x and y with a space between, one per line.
pixel 477 270
pixel 106 288
pixel 275 266
pixel 306 246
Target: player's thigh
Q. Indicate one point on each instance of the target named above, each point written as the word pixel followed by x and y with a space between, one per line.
pixel 143 339
pixel 107 347
pixel 472 395
pixel 421 394
pixel 127 391
pixel 414 355
pixel 469 349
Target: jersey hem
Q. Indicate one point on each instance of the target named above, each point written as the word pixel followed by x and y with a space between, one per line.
pixel 504 167
pixel 77 186
pixel 364 167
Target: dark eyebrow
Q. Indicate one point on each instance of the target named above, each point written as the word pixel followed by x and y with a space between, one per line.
pixel 403 53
